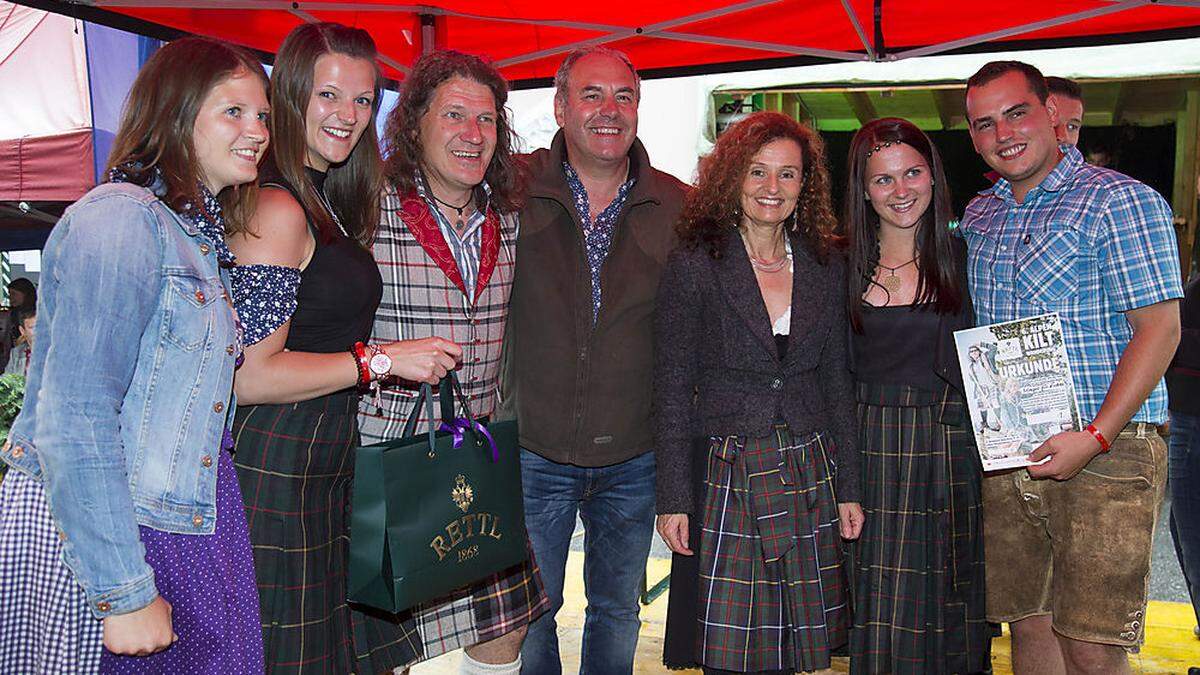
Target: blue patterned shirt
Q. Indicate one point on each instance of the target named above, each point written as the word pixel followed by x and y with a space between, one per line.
pixel 1088 243
pixel 597 236
pixel 466 247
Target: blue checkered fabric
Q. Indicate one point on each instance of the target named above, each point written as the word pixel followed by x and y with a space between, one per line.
pixel 45 623
pixel 1088 243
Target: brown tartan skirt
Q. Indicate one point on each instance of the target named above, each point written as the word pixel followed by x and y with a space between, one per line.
pixel 919 597
pixel 295 464
pixel 766 588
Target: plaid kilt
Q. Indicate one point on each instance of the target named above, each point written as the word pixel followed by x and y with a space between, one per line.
pixel 772 592
pixel 296 467
pixel 919 597
pixel 45 623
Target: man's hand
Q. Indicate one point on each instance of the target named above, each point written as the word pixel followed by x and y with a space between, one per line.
pixel 673 528
pixel 850 515
pixel 1069 452
pixel 142 632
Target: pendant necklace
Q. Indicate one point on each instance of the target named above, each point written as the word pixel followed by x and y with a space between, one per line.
pixel 769 266
pixel 329 209
pixel 892 283
pixel 457 209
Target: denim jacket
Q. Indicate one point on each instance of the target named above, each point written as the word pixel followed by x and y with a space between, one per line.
pixel 129 389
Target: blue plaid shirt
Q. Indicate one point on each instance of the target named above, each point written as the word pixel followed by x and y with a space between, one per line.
pixel 1088 243
pixel 597 236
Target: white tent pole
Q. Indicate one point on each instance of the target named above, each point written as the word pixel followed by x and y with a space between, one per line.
pixel 765 46
pixel 1018 30
pixel 381 57
pixel 862 35
pixel 660 30
pixel 428 33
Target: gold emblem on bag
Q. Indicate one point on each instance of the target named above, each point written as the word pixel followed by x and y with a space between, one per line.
pixel 462 494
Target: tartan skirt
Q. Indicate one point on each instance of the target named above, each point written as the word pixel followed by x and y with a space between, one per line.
pixel 919 596
pixel 296 468
pixel 766 588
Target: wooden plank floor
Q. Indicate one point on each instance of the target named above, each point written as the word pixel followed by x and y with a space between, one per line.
pixel 1170 646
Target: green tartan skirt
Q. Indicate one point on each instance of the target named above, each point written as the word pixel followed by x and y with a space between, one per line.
pixel 295 464
pixel 766 587
pixel 919 595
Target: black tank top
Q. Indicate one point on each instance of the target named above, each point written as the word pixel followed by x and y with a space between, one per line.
pixel 340 289
pixel 897 345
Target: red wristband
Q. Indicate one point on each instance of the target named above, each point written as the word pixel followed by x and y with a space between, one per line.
pixel 1104 444
pixel 359 350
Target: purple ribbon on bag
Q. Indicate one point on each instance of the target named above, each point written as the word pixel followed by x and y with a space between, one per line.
pixel 462 424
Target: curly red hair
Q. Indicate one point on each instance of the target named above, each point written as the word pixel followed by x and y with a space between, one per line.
pixel 714 206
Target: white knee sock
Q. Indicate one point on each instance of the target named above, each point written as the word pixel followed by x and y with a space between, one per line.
pixel 472 667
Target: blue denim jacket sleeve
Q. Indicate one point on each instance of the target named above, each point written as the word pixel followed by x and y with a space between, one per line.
pixel 107 272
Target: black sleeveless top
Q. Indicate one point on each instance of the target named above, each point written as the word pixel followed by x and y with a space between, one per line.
pixel 340 289
pixel 897 345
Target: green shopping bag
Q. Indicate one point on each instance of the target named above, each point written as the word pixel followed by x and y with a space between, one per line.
pixel 435 511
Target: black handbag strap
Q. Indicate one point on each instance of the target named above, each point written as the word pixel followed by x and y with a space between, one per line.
pixel 425 398
pixel 449 390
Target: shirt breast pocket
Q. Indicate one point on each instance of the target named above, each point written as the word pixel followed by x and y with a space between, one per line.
pixel 1046 266
pixel 191 306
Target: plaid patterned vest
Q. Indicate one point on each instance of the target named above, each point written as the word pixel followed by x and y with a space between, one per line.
pixel 423 296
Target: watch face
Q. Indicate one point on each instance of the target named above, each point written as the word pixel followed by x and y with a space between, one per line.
pixel 381 363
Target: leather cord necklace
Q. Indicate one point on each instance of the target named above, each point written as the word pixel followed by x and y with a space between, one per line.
pixel 892 283
pixel 457 209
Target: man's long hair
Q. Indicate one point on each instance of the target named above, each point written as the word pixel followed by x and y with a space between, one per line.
pixel 402 135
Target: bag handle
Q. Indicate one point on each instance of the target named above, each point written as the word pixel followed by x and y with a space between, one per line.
pixel 424 397
pixel 449 390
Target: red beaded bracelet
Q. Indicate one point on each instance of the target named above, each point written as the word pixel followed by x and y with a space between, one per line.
pixel 1104 444
pixel 359 350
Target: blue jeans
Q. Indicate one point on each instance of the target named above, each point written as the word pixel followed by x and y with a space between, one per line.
pixel 1183 480
pixel 616 505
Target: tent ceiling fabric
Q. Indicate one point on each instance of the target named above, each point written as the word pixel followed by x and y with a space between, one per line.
pixel 527 38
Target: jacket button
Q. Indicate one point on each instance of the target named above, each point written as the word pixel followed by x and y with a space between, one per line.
pixel 200 296
pixel 218 407
pixel 18 451
pixel 230 350
pixel 197 520
pixel 777 384
pixel 103 606
pixel 62 536
pixel 204 249
pixel 206 461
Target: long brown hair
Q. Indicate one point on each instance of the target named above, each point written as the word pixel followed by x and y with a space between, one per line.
pixel 402 133
pixel 938 273
pixel 155 135
pixel 352 186
pixel 713 208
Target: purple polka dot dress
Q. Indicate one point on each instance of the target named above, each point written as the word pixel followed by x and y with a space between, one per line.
pixel 209 582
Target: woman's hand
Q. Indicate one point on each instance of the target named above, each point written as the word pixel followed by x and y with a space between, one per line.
pixel 850 516
pixel 673 528
pixel 424 360
pixel 142 632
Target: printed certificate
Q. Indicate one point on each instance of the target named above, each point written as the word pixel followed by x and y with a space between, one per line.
pixel 1018 386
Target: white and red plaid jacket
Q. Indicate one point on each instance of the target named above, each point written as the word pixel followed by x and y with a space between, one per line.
pixel 423 296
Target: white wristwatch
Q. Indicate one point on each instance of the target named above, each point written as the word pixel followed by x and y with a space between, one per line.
pixel 379 363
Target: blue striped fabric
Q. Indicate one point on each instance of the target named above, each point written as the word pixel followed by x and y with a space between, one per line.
pixel 464 247
pixel 1088 243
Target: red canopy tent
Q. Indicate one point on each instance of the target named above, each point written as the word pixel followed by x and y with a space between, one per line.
pixel 527 38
